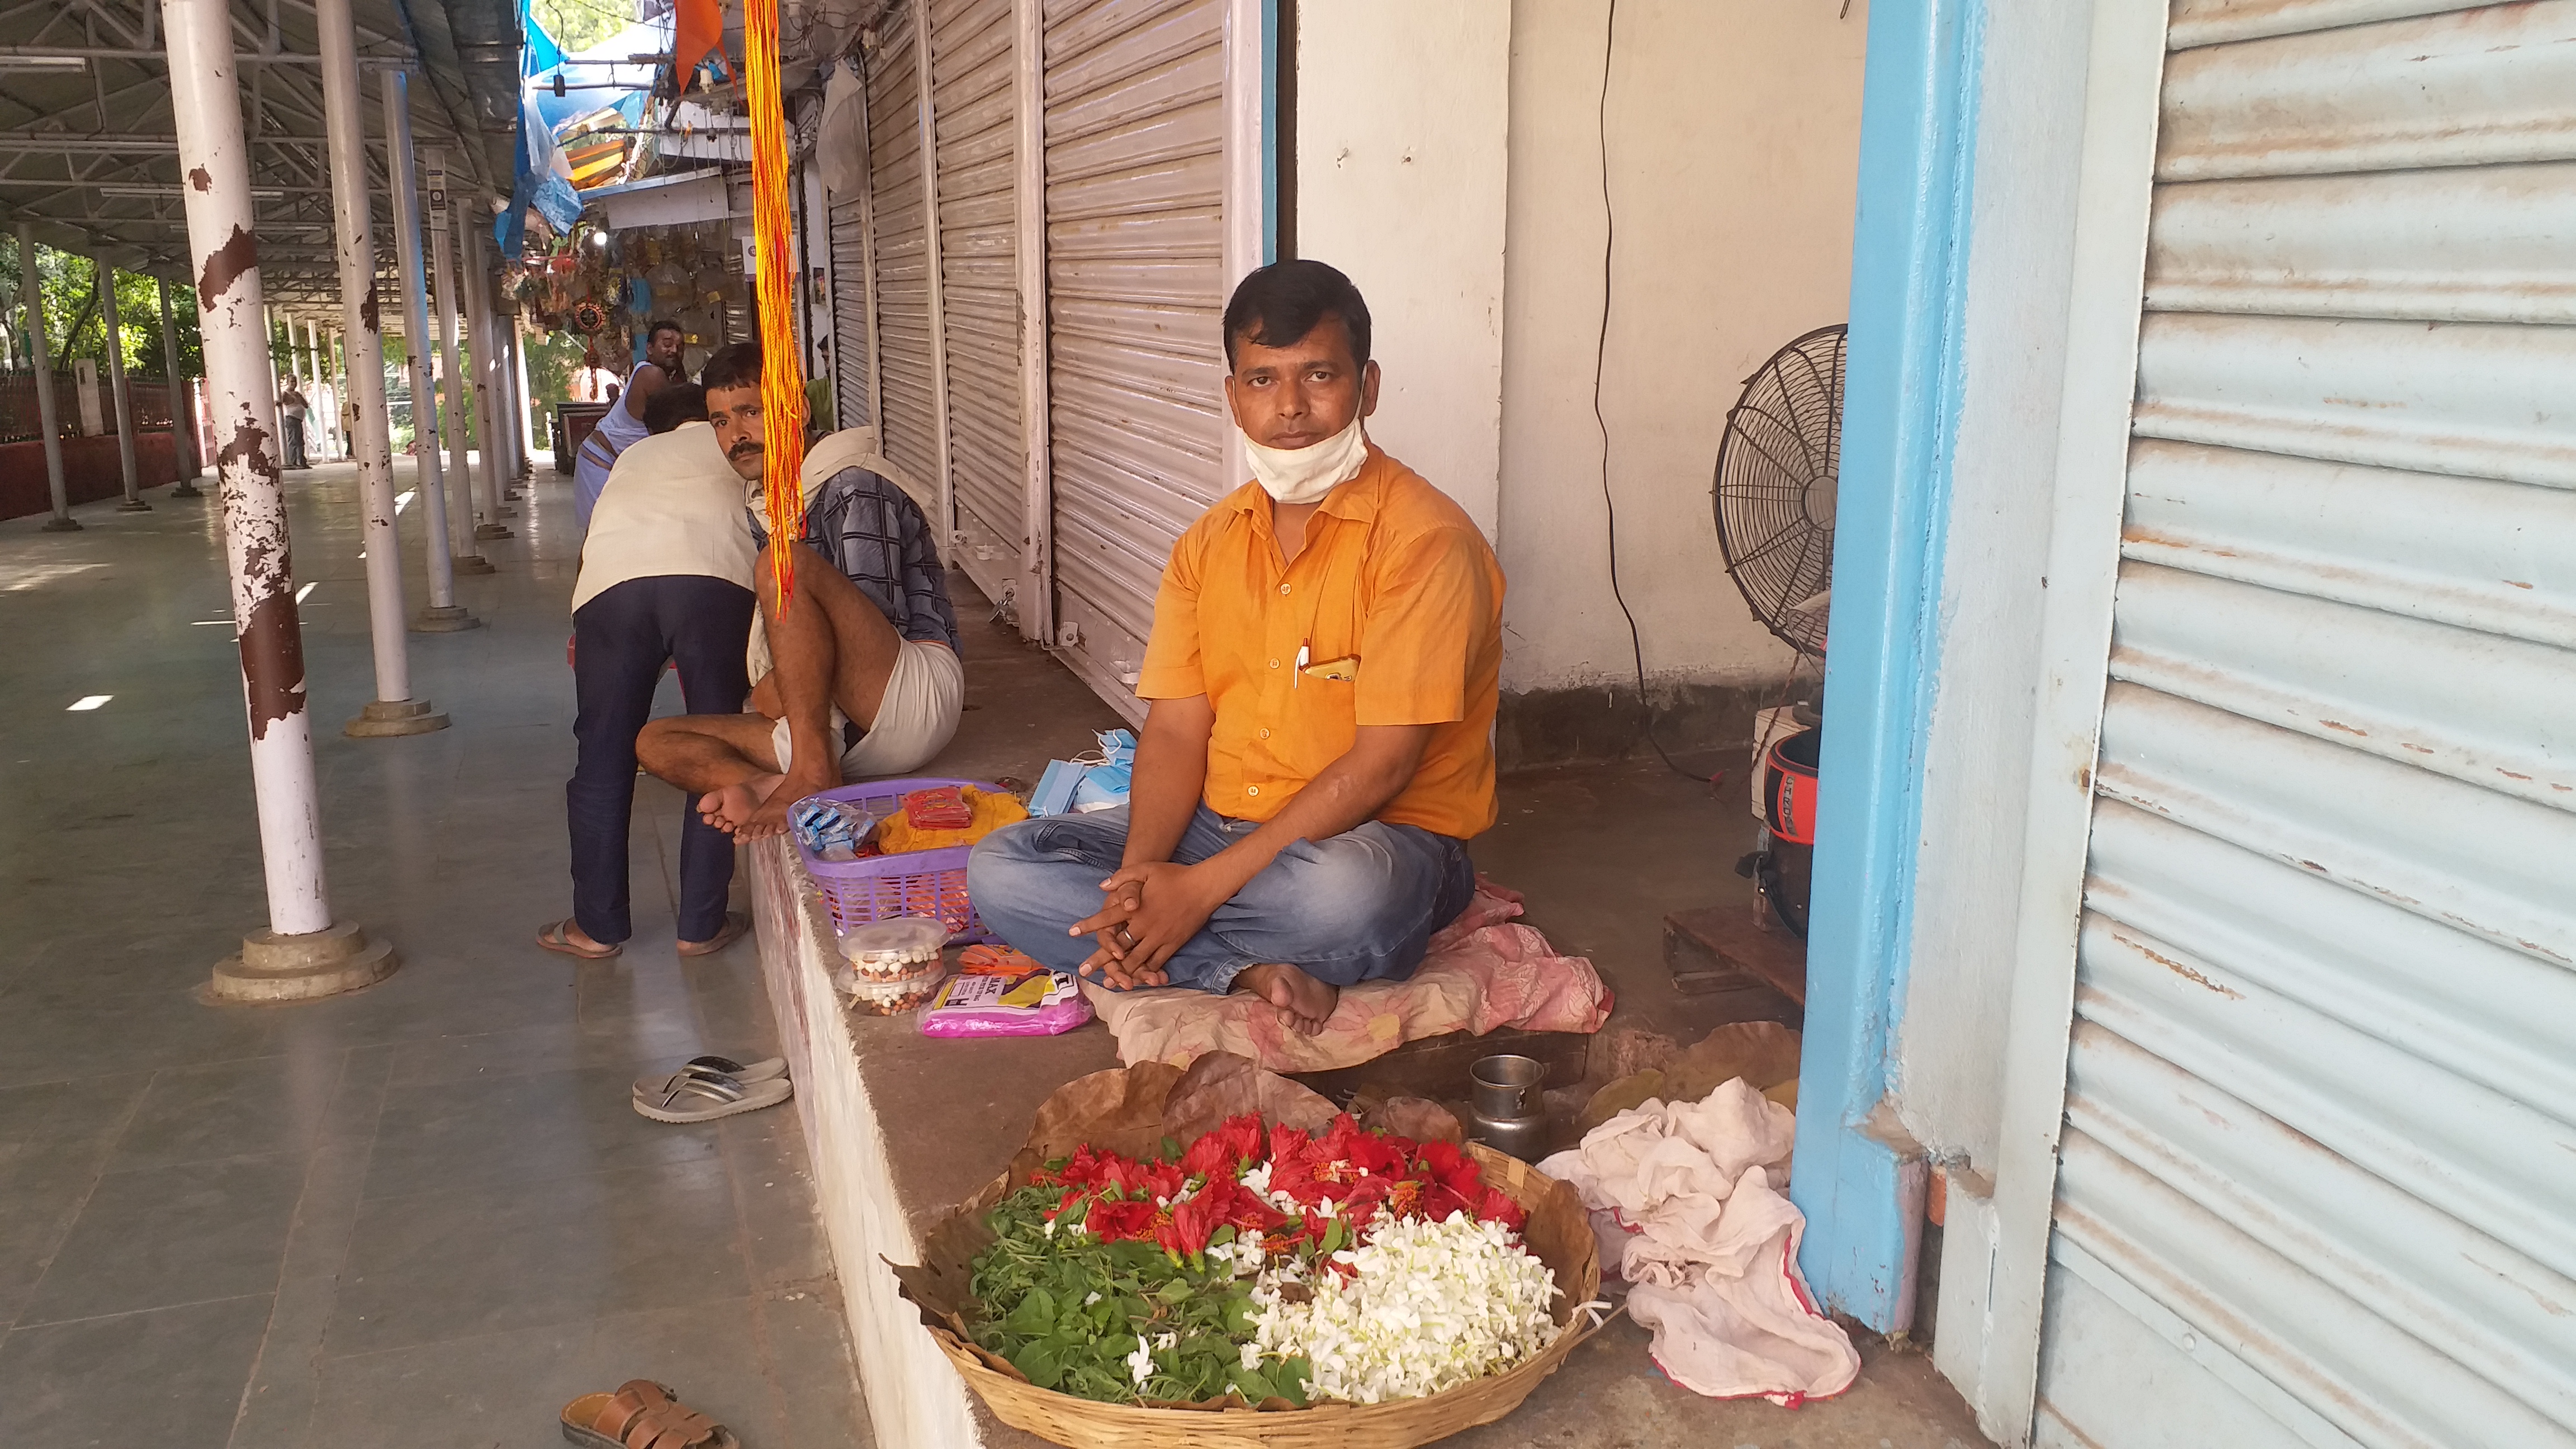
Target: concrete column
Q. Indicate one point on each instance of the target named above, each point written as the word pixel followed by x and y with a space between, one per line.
pixel 444 614
pixel 353 226
pixel 47 417
pixel 183 410
pixel 451 399
pixel 118 396
pixel 317 417
pixel 304 952
pixel 488 424
pixel 527 405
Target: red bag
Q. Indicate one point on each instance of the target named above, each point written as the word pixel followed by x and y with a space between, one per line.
pixel 943 808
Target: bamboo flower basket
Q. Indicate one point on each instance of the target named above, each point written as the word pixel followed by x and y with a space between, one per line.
pixel 1558 1233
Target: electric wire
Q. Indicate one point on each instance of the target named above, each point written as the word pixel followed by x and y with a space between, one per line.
pixel 1600 360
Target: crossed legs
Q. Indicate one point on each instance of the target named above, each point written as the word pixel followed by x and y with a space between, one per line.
pixel 833 647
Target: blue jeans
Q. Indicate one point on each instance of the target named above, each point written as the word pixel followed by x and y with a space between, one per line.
pixel 1361 906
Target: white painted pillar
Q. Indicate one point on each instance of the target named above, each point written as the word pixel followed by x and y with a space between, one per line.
pixel 118 397
pixel 317 414
pixel 451 398
pixel 183 408
pixel 47 416
pixel 353 226
pixel 519 390
pixel 206 97
pixel 488 424
pixel 444 614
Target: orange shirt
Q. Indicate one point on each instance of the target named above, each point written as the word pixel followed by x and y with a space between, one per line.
pixel 1395 589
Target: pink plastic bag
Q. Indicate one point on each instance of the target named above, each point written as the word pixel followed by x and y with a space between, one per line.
pixel 999 992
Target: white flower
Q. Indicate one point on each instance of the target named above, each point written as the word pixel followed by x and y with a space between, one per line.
pixel 1093 1298
pixel 1251 1357
pixel 1428 1306
pixel 1140 1364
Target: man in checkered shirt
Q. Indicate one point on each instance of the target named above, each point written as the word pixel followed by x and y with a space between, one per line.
pixel 867 681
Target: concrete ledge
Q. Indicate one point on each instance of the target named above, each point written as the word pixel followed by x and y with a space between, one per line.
pixel 471 563
pixel 1569 726
pixel 915 1398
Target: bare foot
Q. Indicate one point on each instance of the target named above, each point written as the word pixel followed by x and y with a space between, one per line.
pixel 776 794
pixel 732 807
pixel 1304 1002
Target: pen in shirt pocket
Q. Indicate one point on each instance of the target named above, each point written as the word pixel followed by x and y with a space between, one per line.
pixel 1295 678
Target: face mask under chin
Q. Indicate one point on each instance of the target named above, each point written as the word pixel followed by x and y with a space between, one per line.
pixel 1297 476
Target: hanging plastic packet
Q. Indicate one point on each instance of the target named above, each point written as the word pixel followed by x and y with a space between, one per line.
pixel 999 992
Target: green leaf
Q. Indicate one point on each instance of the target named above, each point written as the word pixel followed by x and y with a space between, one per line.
pixel 1035 1316
pixel 1291 1376
pixel 1176 1291
pixel 1171 1149
pixel 1221 1236
pixel 1253 1385
pixel 1334 1237
pixel 1040 1362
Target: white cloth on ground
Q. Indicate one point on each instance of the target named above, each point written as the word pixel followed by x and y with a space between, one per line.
pixel 673 505
pixel 1711 1244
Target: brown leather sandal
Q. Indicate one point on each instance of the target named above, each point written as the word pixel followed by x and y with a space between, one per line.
pixel 642 1415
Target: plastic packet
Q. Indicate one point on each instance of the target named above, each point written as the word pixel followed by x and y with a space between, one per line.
pixel 999 992
pixel 942 807
pixel 831 829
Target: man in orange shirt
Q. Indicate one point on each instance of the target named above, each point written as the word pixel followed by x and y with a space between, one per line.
pixel 1323 673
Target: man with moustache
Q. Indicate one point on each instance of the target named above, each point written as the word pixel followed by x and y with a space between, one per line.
pixel 867 681
pixel 623 424
pixel 1323 671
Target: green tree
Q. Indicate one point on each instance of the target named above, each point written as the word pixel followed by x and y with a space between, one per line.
pixel 577 25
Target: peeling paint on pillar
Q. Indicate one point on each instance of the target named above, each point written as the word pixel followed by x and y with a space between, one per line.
pixel 225 265
pixel 272 636
pixel 367 312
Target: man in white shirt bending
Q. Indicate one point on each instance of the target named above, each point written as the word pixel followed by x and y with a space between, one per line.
pixel 665 579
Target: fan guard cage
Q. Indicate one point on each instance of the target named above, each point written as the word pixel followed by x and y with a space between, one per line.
pixel 1776 475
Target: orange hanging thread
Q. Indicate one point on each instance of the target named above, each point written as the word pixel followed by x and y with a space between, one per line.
pixel 782 371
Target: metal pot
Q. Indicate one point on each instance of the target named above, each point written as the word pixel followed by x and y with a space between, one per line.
pixel 1506 1111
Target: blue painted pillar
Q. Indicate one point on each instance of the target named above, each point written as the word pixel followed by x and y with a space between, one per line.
pixel 1909 261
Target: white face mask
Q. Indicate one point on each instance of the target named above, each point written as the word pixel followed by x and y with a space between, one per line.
pixel 1304 475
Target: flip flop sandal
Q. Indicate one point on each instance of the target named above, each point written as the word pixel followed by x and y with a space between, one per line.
pixel 642 1415
pixel 556 938
pixel 705 1096
pixel 746 1073
pixel 735 923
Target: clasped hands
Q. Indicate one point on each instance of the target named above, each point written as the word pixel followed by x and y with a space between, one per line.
pixel 1152 911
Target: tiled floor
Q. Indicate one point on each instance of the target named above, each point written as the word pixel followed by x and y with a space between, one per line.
pixel 423 1214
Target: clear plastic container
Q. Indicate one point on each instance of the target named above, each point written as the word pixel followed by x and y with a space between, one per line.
pixel 890 967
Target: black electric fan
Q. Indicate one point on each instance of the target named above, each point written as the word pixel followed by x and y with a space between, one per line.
pixel 1776 473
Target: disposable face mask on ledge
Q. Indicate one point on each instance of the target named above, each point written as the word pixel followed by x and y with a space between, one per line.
pixel 1297 476
pixel 1093 782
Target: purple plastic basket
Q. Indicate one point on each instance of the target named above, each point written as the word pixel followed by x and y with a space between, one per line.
pixel 916 883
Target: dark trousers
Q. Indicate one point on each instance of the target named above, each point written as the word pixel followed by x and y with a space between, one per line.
pixel 294 442
pixel 621 640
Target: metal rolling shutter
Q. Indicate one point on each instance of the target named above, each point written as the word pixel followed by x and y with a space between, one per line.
pixel 2320 1143
pixel 849 222
pixel 971 58
pixel 911 423
pixel 1134 186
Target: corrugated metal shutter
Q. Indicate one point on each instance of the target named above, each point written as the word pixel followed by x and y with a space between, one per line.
pixel 2320 1148
pixel 911 423
pixel 849 221
pixel 971 56
pixel 1134 187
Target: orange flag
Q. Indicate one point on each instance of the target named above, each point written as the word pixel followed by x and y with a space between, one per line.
pixel 697 26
